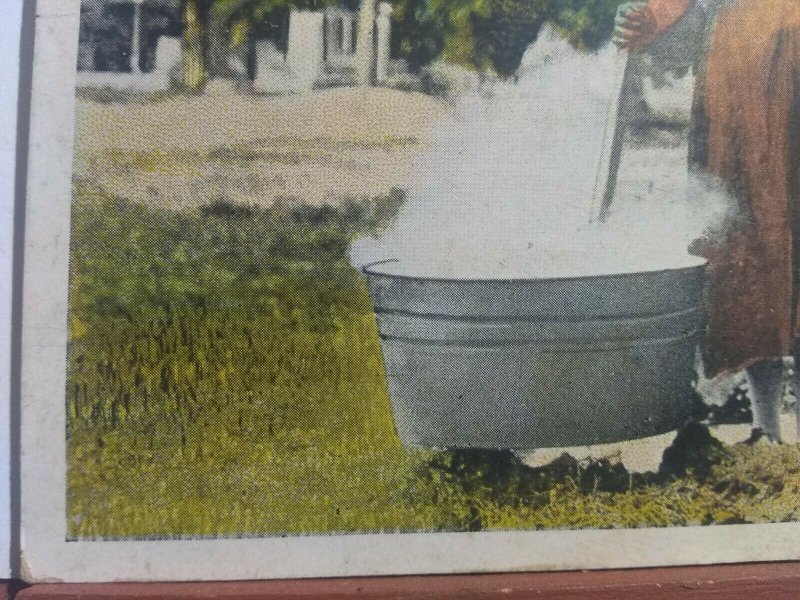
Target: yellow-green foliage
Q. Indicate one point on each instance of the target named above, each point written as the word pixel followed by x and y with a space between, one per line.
pixel 225 378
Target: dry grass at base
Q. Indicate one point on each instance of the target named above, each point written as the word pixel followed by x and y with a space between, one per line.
pixel 642 455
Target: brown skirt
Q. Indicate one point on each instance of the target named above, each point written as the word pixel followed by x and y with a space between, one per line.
pixel 753 110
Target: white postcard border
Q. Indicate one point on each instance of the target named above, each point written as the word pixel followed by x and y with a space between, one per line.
pixel 10 30
pixel 48 557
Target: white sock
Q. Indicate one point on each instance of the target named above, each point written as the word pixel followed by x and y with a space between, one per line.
pixel 765 380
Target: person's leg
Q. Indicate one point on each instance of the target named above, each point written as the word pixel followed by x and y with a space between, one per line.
pixel 765 381
pixel 796 381
pixel 796 396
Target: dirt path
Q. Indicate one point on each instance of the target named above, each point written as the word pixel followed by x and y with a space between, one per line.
pixel 320 147
pixel 645 454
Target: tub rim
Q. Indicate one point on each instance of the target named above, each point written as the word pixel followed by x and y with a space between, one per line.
pixel 368 271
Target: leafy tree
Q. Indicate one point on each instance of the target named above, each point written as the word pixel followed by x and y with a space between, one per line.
pixel 502 35
pixel 206 29
pixel 481 34
pixel 588 24
pixel 195 16
pixel 213 27
pixel 456 18
pixel 493 34
pixel 417 35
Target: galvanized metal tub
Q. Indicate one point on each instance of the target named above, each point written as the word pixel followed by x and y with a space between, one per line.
pixel 537 363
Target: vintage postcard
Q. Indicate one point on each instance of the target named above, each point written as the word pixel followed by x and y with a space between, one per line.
pixel 337 287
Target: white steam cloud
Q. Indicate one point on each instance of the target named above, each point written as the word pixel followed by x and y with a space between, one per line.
pixel 505 188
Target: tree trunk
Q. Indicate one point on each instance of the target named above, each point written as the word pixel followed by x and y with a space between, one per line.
pixel 217 36
pixel 194 63
pixel 365 43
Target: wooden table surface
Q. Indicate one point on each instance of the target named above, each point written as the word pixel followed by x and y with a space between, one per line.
pixel 773 581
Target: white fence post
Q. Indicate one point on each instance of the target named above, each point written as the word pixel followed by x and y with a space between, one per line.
pixel 169 52
pixel 136 38
pixel 347 33
pixel 305 49
pixel 383 28
pixel 365 43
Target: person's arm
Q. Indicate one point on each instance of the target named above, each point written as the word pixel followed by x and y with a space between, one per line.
pixel 639 24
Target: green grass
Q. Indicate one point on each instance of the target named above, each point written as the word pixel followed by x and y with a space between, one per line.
pixel 225 378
